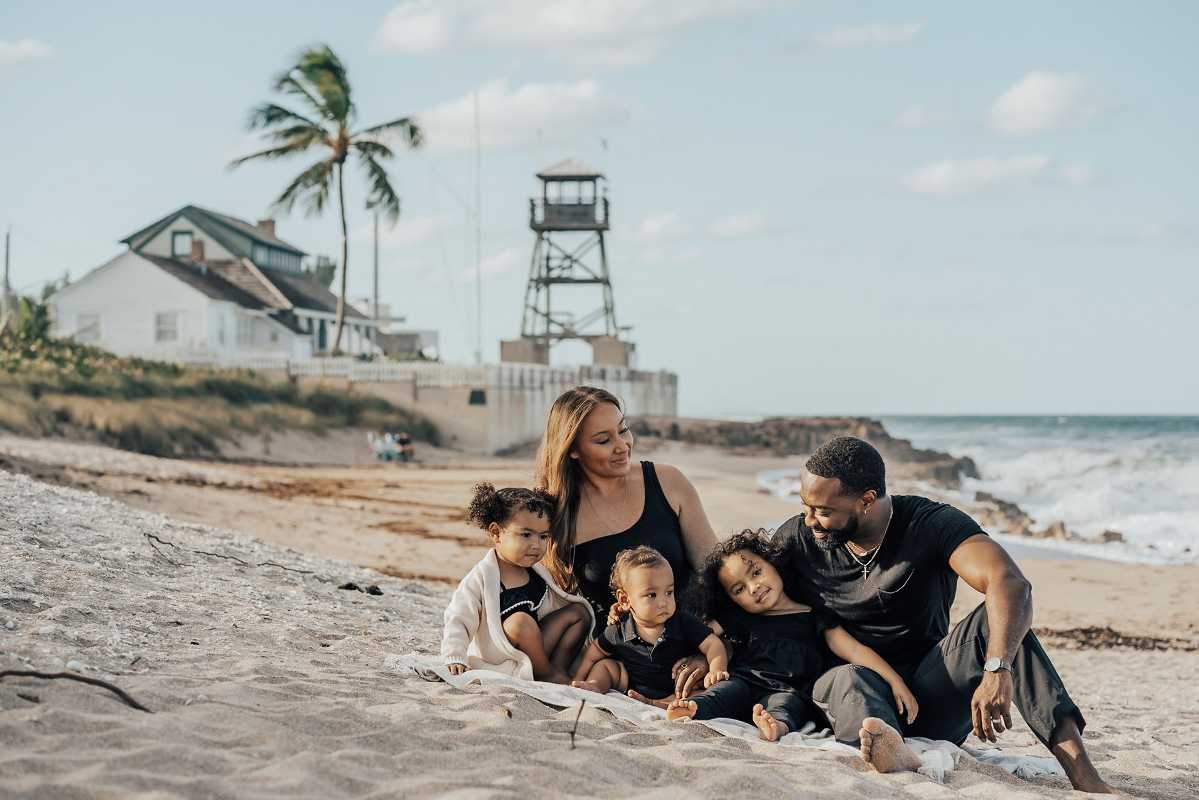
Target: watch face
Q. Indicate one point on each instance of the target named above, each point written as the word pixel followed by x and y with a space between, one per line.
pixel 992 664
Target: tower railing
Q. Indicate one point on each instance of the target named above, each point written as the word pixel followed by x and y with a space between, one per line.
pixel 568 215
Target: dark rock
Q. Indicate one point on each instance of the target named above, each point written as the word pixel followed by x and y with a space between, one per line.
pixel 1107 537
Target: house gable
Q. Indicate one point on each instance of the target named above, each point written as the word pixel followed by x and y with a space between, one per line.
pixel 225 238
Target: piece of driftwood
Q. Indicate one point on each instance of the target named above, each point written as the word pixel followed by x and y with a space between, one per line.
pixel 71 676
pixel 576 725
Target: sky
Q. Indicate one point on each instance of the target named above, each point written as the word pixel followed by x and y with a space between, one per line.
pixel 817 207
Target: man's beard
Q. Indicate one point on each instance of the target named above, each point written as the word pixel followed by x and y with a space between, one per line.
pixel 836 537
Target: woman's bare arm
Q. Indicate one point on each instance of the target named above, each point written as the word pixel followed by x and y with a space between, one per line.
pixel 698 537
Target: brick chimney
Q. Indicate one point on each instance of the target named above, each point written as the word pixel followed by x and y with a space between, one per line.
pixel 267 226
pixel 197 251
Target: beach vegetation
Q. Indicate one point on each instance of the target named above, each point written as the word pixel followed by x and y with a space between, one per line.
pixel 55 387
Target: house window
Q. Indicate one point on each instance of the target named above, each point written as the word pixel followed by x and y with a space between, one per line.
pixel 166 326
pixel 181 243
pixel 87 328
pixel 478 397
pixel 245 331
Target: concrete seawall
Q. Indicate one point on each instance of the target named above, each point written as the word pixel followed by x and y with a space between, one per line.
pixel 486 408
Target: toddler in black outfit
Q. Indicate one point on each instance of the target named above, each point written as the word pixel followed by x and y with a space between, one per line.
pixel 637 653
pixel 777 652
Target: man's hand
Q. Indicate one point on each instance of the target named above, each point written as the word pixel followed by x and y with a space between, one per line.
pixel 456 669
pixel 990 708
pixel 687 671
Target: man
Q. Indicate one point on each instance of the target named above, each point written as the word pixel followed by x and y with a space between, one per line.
pixel 888 568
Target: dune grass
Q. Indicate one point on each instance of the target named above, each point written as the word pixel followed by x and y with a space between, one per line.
pixel 60 388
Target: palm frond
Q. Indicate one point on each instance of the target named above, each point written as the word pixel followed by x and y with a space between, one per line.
pixel 323 71
pixel 381 196
pixel 293 83
pixel 265 115
pixel 372 148
pixel 269 153
pixel 308 134
pixel 407 128
pixel 313 182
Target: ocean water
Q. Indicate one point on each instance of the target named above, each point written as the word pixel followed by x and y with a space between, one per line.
pixel 1135 475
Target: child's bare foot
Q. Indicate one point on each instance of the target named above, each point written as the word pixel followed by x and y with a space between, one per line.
pixel 681 709
pixel 649 701
pixel 591 686
pixel 769 728
pixel 884 749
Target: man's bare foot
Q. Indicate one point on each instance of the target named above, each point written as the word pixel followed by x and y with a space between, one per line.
pixel 884 749
pixel 649 701
pixel 769 728
pixel 591 686
pixel 681 709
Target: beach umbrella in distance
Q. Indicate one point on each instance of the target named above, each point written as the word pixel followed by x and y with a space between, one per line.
pixel 318 82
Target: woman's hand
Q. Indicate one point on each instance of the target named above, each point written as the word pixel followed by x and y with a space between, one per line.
pixel 456 669
pixel 686 672
pixel 714 678
pixel 905 701
pixel 614 613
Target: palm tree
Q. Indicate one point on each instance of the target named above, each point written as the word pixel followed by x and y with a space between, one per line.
pixel 318 79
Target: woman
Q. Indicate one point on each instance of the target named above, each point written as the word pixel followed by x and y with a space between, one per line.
pixel 606 502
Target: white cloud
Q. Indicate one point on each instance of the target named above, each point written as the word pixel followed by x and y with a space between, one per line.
pixel 918 116
pixel 620 32
pixel 949 178
pixel 1078 174
pixel 22 50
pixel 739 225
pixel 493 265
pixel 869 35
pixel 1045 101
pixel 532 114
pixel 662 227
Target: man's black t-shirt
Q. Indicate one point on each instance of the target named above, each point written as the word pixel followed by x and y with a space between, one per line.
pixel 901 609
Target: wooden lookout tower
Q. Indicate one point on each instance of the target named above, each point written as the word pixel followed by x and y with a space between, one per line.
pixel 570 220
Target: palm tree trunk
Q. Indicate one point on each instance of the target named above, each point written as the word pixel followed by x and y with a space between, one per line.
pixel 345 263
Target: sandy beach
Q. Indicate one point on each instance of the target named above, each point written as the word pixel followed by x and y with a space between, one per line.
pixel 209 592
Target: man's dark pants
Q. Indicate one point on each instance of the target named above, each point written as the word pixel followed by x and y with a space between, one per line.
pixel 943 683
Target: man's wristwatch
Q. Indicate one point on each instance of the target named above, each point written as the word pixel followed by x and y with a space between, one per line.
pixel 996 664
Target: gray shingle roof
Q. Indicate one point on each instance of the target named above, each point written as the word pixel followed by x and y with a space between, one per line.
pixel 207 281
pixel 213 223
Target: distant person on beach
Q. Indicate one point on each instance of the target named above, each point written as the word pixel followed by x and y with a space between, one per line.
pixel 404 447
pixel 606 503
pixel 888 566
pixel 509 614
pixel 778 644
pixel 638 652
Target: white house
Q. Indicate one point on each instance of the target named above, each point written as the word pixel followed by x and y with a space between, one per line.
pixel 201 285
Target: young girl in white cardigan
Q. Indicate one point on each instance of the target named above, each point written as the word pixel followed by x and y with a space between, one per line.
pixel 508 614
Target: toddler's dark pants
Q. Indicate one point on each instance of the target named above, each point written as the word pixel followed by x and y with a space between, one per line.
pixel 736 698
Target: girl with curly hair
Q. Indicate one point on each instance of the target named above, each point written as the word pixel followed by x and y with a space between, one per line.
pixel 509 614
pixel 777 652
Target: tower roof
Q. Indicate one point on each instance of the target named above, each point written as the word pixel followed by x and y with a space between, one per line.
pixel 569 170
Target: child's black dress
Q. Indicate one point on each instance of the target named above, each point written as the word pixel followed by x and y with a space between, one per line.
pixel 776 659
pixel 527 597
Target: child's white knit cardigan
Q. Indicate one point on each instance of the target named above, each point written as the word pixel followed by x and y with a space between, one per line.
pixel 473 634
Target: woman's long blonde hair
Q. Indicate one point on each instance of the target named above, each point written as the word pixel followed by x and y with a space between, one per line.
pixel 561 475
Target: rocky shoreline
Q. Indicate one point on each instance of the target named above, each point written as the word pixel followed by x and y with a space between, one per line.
pixel 787 436
pixel 799 436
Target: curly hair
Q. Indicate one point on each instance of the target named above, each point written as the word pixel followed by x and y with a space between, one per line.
pixel 630 558
pixel 852 461
pixel 707 597
pixel 490 504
